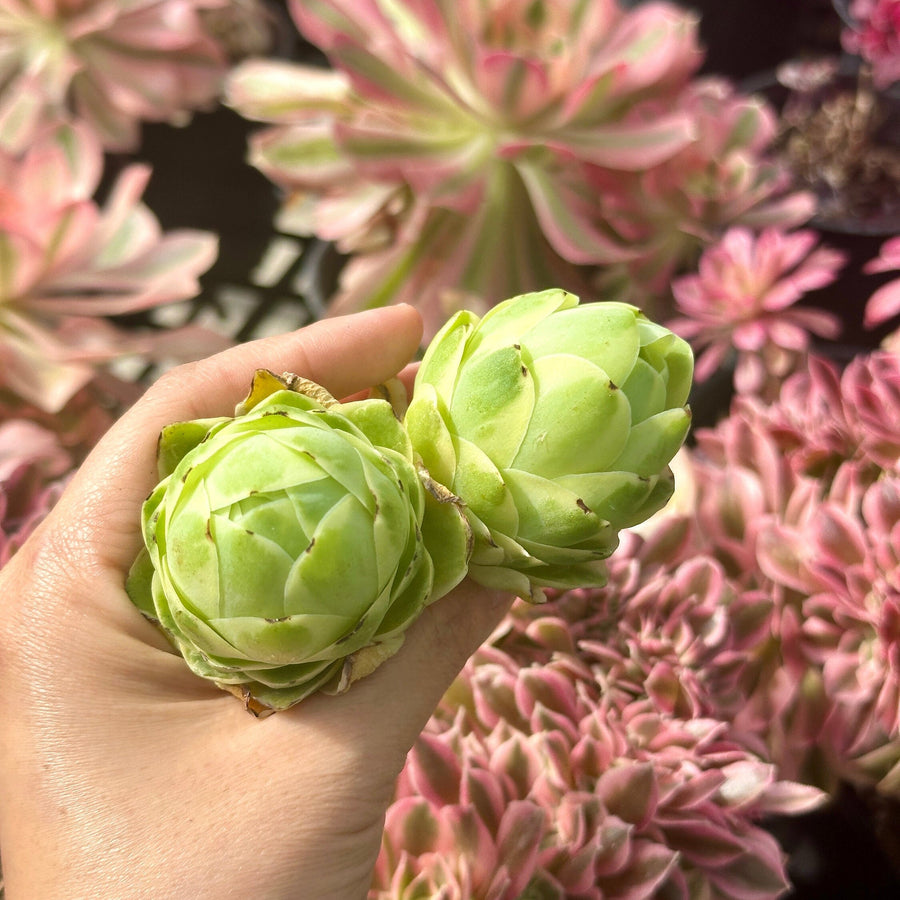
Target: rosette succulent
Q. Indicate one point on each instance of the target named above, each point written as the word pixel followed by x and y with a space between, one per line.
pixel 743 301
pixel 463 152
pixel 534 780
pixel 108 63
pixel 554 423
pixel 68 264
pixel 445 128
pixel 286 547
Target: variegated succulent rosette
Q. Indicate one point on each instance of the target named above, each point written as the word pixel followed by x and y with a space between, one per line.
pixel 70 263
pixel 466 152
pixel 109 64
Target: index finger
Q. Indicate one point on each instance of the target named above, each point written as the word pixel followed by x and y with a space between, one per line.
pixel 344 355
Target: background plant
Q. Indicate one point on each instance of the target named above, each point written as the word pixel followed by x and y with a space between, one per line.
pixel 110 63
pixel 462 157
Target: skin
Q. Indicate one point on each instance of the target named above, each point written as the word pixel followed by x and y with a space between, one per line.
pixel 122 774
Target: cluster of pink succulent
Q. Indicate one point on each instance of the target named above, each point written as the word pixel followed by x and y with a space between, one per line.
pixel 745 653
pixel 538 777
pixel 875 36
pixel 799 500
pixel 109 63
pixel 467 152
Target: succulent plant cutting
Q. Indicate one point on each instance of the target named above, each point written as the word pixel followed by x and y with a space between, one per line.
pixel 288 548
pixel 285 549
pixel 554 423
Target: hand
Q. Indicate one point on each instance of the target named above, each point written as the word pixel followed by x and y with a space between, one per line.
pixel 122 774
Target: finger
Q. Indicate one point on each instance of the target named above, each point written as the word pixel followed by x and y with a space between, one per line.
pixel 343 354
pixel 385 711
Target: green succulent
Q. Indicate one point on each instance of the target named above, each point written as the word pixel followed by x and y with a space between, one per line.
pixel 287 547
pixel 554 423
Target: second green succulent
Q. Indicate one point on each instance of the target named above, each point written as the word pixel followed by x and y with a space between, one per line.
pixel 554 423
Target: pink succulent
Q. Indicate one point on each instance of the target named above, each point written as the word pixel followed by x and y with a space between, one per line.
pixel 68 264
pixel 725 177
pixel 610 798
pixel 743 645
pixel 685 638
pixel 749 642
pixel 871 387
pixel 876 38
pixel 826 417
pixel 742 300
pixel 797 500
pixel 109 62
pixel 724 645
pixel 844 564
pixel 670 626
pixel 458 828
pixel 809 424
pixel 451 145
pixel 33 466
pixel 884 304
